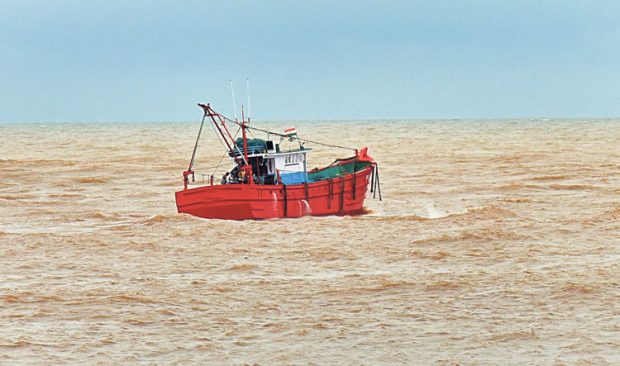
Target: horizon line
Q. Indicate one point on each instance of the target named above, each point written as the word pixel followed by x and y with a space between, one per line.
pixel 546 118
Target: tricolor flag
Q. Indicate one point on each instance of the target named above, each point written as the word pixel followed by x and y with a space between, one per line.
pixel 290 132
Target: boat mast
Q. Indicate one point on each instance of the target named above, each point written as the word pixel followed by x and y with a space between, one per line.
pixel 247 84
pixel 248 166
pixel 232 91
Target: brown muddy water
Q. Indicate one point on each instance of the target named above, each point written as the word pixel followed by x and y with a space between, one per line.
pixel 496 243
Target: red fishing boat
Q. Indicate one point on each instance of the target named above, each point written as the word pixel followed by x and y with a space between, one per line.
pixel 268 182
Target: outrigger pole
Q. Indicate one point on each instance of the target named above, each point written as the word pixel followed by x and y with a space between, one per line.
pixel 209 112
pixel 191 162
pixel 212 114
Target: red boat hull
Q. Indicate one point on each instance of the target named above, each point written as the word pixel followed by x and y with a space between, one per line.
pixel 338 196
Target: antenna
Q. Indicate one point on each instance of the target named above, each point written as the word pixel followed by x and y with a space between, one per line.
pixel 247 85
pixel 232 90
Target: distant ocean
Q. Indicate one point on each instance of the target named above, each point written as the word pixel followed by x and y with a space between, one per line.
pixel 497 242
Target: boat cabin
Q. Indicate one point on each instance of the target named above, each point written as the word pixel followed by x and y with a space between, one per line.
pixel 269 164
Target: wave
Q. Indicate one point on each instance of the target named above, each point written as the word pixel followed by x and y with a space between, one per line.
pixel 131 299
pixel 404 217
pixel 162 218
pixel 381 285
pixel 517 199
pixel 222 289
pixel 14 162
pixel 488 234
pixel 442 285
pixel 170 184
pixel 613 214
pixel 156 219
pixel 17 197
pixel 28 297
pixel 104 216
pixel 17 344
pixel 66 195
pixel 514 336
pixel 575 289
pixel 11 299
pixel 550 177
pixel 243 267
pixel 367 211
pixel 91 180
pixel 493 234
pixel 517 186
pixel 573 187
pixel 434 256
pixel 434 213
pixel 487 212
pixel 392 283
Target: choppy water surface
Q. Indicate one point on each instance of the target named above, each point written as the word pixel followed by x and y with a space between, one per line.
pixel 497 242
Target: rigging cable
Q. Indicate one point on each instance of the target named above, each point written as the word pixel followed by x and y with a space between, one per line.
pixel 233 142
pixel 283 135
pixel 223 156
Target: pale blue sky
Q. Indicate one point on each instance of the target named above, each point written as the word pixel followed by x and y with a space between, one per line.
pixel 153 60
